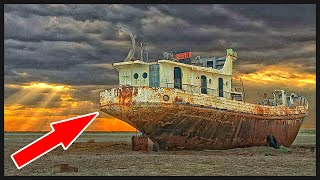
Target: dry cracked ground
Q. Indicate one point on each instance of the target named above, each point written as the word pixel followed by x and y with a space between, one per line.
pixel 117 159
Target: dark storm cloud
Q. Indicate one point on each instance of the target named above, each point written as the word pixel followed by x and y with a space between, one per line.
pixel 215 15
pixel 279 16
pixel 77 75
pixel 111 13
pixel 62 43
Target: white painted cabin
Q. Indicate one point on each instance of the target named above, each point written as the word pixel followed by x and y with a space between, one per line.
pixel 213 77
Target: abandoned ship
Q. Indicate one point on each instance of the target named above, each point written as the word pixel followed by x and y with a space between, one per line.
pixel 186 102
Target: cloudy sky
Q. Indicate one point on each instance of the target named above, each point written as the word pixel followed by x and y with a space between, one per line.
pixel 58 57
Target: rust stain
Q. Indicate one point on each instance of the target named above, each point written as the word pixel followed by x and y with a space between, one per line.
pixel 139 143
pixel 124 95
pixel 177 99
pixel 200 123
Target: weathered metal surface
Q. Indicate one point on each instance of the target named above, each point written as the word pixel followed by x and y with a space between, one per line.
pixel 139 143
pixel 200 121
pixel 128 94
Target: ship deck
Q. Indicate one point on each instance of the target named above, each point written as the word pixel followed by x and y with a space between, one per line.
pixel 187 121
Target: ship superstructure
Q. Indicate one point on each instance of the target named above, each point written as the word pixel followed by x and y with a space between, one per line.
pixel 186 102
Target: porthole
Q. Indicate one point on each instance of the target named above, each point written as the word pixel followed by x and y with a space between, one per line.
pixel 166 98
pixel 135 75
pixel 145 75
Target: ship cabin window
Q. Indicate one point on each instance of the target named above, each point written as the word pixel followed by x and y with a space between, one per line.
pixel 203 84
pixel 145 75
pixel 220 62
pixel 236 96
pixel 135 76
pixel 220 86
pixel 209 63
pixel 177 78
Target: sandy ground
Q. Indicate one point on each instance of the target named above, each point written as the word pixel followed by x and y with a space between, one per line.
pixel 117 159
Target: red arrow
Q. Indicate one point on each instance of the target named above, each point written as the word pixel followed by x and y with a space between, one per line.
pixel 63 133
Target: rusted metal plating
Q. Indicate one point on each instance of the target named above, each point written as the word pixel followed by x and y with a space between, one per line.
pixel 199 121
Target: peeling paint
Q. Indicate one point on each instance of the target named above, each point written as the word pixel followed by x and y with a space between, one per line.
pixel 200 121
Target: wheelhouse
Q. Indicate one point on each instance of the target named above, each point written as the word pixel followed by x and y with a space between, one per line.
pixel 211 76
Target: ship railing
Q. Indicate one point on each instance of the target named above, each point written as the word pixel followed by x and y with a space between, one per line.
pixel 194 89
pixel 300 102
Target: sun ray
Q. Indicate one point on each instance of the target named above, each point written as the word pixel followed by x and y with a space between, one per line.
pixel 26 95
pixel 13 98
pixel 45 101
pixel 25 117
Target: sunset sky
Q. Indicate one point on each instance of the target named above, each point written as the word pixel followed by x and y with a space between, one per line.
pixel 58 57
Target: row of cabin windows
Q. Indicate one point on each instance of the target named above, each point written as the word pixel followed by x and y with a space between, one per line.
pixel 204 87
pixel 202 76
pixel 178 81
pixel 144 75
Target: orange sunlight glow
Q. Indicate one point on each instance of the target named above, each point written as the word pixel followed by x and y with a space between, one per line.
pixel 46 86
pixel 42 123
pixel 19 116
pixel 281 75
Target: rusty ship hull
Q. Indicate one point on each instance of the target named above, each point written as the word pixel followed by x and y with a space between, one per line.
pixel 188 121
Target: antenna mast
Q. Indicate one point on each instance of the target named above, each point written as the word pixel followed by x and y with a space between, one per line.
pixel 244 94
pixel 144 52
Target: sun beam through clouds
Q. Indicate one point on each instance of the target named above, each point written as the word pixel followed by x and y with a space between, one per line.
pixel 57 57
pixel 35 105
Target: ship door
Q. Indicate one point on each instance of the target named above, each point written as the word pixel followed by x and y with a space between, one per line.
pixel 203 84
pixel 220 87
pixel 126 77
pixel 154 79
pixel 177 78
